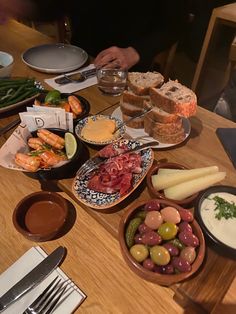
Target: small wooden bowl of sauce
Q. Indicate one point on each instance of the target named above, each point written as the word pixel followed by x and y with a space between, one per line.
pixel 40 216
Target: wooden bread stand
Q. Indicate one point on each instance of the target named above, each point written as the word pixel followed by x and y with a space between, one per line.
pixel 94 260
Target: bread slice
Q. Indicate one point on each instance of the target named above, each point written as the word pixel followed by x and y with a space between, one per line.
pixel 131 98
pixel 169 138
pixel 175 98
pixel 129 109
pixel 159 115
pixel 137 123
pixel 140 83
pixel 132 110
pixel 152 126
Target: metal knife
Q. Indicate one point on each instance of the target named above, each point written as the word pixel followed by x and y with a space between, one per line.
pixel 76 77
pixel 33 278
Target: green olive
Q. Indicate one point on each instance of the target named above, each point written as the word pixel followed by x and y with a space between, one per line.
pixel 159 255
pixel 139 252
pixel 168 230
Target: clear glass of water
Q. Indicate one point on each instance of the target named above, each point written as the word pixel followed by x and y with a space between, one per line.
pixel 111 81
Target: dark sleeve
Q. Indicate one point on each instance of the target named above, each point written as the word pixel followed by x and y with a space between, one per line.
pixel 49 10
pixel 169 28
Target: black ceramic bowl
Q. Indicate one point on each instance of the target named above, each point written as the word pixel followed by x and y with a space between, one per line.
pixel 84 103
pixel 65 171
pixel 218 244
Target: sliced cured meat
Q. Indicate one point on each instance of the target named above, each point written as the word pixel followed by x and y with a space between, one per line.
pixel 110 150
pixel 115 175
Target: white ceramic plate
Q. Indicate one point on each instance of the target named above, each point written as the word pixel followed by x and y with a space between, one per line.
pixel 82 123
pixel 101 200
pixel 55 58
pixel 144 137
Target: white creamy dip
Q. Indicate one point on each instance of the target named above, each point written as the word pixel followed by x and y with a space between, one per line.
pixel 223 229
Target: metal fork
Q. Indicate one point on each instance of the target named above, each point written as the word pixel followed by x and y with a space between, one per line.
pixel 49 298
pixel 94 162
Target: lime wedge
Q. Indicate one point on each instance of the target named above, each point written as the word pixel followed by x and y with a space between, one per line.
pixel 70 145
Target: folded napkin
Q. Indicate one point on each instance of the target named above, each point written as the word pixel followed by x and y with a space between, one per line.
pixel 73 87
pixel 20 268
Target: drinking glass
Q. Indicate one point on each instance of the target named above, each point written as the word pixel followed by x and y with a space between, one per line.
pixel 111 81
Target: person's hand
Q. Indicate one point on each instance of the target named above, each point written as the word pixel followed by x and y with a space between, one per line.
pixel 116 57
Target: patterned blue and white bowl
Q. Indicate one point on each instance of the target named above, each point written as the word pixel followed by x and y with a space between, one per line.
pixel 81 124
pixel 101 201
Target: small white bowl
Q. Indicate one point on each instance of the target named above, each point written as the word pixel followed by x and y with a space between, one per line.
pixel 6 61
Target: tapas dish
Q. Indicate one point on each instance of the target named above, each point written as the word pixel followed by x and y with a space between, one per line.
pixel 78 105
pixel 87 129
pixel 114 179
pixel 18 91
pixel 161 241
pixel 142 135
pixel 216 213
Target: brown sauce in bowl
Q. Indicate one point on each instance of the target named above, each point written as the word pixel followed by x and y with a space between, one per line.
pixel 43 217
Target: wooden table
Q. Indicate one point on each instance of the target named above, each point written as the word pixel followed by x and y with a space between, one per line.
pixel 94 260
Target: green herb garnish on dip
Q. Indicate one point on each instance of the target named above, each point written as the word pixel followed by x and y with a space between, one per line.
pixel 224 208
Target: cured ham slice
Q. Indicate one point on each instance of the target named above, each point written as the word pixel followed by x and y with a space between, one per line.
pixel 115 175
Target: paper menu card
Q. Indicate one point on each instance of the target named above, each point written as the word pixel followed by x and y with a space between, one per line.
pixel 38 117
pixel 17 142
pixel 20 268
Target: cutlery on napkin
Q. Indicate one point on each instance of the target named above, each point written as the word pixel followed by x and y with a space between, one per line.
pixel 20 268
pixel 73 87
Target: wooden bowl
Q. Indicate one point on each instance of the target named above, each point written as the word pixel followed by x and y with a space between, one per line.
pixel 161 279
pixel 187 202
pixel 40 216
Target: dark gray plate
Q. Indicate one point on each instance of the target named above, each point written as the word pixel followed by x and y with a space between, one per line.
pixel 54 58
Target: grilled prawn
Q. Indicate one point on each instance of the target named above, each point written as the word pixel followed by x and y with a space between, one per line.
pixel 30 163
pixel 49 158
pixel 52 139
pixel 35 143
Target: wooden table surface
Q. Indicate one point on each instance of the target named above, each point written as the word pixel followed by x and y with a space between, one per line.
pixel 94 260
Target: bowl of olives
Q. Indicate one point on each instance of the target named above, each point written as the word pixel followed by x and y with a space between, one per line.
pixel 161 241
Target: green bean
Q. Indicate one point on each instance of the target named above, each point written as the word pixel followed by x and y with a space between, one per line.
pixel 7 95
pixel 6 87
pixel 4 82
pixel 20 97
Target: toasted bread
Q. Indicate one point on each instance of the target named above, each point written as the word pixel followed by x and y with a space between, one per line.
pixel 140 83
pixel 175 98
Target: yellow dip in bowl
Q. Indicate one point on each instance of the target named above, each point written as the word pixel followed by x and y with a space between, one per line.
pixel 99 130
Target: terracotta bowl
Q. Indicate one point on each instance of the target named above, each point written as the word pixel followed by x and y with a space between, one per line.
pixel 187 202
pixel 150 275
pixel 40 216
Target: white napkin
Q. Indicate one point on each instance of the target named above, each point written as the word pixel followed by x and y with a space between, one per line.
pixel 20 268
pixel 73 87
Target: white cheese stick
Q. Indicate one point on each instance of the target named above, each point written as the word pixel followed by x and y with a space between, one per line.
pixel 162 171
pixel 188 188
pixel 163 181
